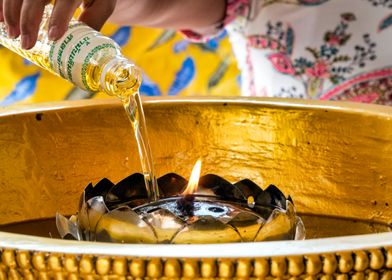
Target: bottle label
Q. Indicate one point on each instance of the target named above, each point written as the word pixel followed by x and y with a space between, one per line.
pixel 71 56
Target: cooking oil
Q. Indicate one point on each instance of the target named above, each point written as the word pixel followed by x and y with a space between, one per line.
pixel 94 63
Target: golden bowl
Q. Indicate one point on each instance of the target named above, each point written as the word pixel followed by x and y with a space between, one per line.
pixel 334 159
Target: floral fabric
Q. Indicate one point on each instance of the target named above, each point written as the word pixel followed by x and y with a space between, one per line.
pixel 314 49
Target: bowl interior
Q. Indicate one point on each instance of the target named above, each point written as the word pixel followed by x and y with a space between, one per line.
pixel 332 159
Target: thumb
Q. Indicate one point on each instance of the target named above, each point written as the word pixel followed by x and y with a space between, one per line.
pixel 96 12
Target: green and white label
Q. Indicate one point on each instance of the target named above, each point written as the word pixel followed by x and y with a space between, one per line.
pixel 72 54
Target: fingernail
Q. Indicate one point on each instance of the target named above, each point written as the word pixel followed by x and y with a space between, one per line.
pixel 11 31
pixel 53 33
pixel 26 41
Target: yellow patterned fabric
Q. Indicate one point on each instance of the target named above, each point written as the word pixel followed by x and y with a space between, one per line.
pixel 171 64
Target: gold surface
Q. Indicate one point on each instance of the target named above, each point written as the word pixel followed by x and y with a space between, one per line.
pixel 333 159
pixel 371 264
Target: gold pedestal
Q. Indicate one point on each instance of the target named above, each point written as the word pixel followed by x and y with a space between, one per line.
pixel 334 159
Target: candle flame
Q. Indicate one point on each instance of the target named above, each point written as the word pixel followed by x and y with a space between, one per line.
pixel 194 179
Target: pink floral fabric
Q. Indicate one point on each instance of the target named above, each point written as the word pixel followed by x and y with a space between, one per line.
pixel 314 49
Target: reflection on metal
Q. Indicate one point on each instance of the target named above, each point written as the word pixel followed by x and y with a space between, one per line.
pixel 333 159
pixel 217 212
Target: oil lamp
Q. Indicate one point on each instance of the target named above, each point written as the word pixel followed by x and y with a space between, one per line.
pixel 206 209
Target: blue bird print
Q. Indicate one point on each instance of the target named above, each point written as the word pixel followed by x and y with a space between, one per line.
pixel 122 35
pixel 180 46
pixel 23 89
pixel 27 62
pixel 183 77
pixel 148 87
pixel 213 44
pixel 162 39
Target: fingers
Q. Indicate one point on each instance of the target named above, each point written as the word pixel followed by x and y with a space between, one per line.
pixel 62 13
pixel 30 19
pixel 24 17
pixel 11 13
pixel 1 11
pixel 96 12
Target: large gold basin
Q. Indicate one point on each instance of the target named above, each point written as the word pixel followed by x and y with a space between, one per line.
pixel 334 159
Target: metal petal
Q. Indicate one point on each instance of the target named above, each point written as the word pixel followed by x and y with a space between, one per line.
pixel 247 225
pixel 96 208
pixel 279 226
pixel 165 224
pixel 298 225
pixel 248 188
pixel 263 211
pixel 123 225
pixel 171 184
pixel 83 214
pixel 89 214
pixel 300 232
pixel 211 184
pixel 131 188
pixel 83 196
pixel 66 228
pixel 271 196
pixel 100 189
pixel 206 230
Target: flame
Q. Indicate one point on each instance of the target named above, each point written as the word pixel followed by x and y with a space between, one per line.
pixel 194 179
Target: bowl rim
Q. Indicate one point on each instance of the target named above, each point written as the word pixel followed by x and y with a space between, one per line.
pixel 341 106
pixel 223 250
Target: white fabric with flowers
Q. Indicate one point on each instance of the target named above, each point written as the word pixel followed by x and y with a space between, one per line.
pixel 315 49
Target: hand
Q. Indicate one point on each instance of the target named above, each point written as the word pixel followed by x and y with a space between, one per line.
pixel 23 17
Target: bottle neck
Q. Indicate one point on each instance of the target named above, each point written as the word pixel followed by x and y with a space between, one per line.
pixel 120 77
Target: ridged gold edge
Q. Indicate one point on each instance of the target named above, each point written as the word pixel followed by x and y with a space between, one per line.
pixel 349 107
pixel 229 250
pixel 362 264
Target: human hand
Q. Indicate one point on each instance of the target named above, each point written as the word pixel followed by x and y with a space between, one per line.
pixel 23 17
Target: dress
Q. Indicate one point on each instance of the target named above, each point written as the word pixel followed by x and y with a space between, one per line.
pixel 314 49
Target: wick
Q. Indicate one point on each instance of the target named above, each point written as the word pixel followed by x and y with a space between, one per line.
pixel 186 204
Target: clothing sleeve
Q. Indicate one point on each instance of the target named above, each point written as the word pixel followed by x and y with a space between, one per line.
pixel 234 10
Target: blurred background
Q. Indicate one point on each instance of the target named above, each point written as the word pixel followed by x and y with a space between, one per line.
pixel 172 66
